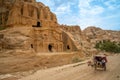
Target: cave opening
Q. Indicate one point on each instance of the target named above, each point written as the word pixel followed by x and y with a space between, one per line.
pixel 68 47
pixel 50 47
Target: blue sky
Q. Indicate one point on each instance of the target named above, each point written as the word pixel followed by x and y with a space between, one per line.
pixel 100 13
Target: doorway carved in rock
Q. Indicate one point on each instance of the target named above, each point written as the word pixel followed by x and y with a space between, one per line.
pixel 50 47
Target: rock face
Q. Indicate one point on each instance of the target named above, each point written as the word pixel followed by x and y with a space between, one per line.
pixel 25 12
pixel 95 34
pixel 78 38
pixel 32 26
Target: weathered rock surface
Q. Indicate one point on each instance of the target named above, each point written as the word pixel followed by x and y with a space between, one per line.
pixel 25 12
pixel 78 37
pixel 95 34
pixel 32 26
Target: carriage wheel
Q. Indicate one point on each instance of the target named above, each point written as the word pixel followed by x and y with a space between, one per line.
pixel 95 66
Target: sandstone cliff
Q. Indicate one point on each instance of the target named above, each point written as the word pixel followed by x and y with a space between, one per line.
pixel 32 26
pixel 95 34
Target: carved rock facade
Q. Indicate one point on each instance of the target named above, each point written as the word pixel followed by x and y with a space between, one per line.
pixel 32 26
pixel 25 12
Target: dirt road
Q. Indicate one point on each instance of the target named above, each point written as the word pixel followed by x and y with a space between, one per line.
pixel 79 72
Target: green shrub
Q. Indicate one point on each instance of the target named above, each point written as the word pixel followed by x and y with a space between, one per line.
pixel 108 46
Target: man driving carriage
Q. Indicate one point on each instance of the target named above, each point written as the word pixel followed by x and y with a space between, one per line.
pixel 100 61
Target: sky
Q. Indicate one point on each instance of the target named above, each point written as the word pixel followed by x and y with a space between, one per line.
pixel 100 13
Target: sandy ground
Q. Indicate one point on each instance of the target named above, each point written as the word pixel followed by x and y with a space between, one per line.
pixel 14 65
pixel 79 72
pixel 10 63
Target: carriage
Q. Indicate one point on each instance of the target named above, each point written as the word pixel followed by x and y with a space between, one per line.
pixel 99 62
